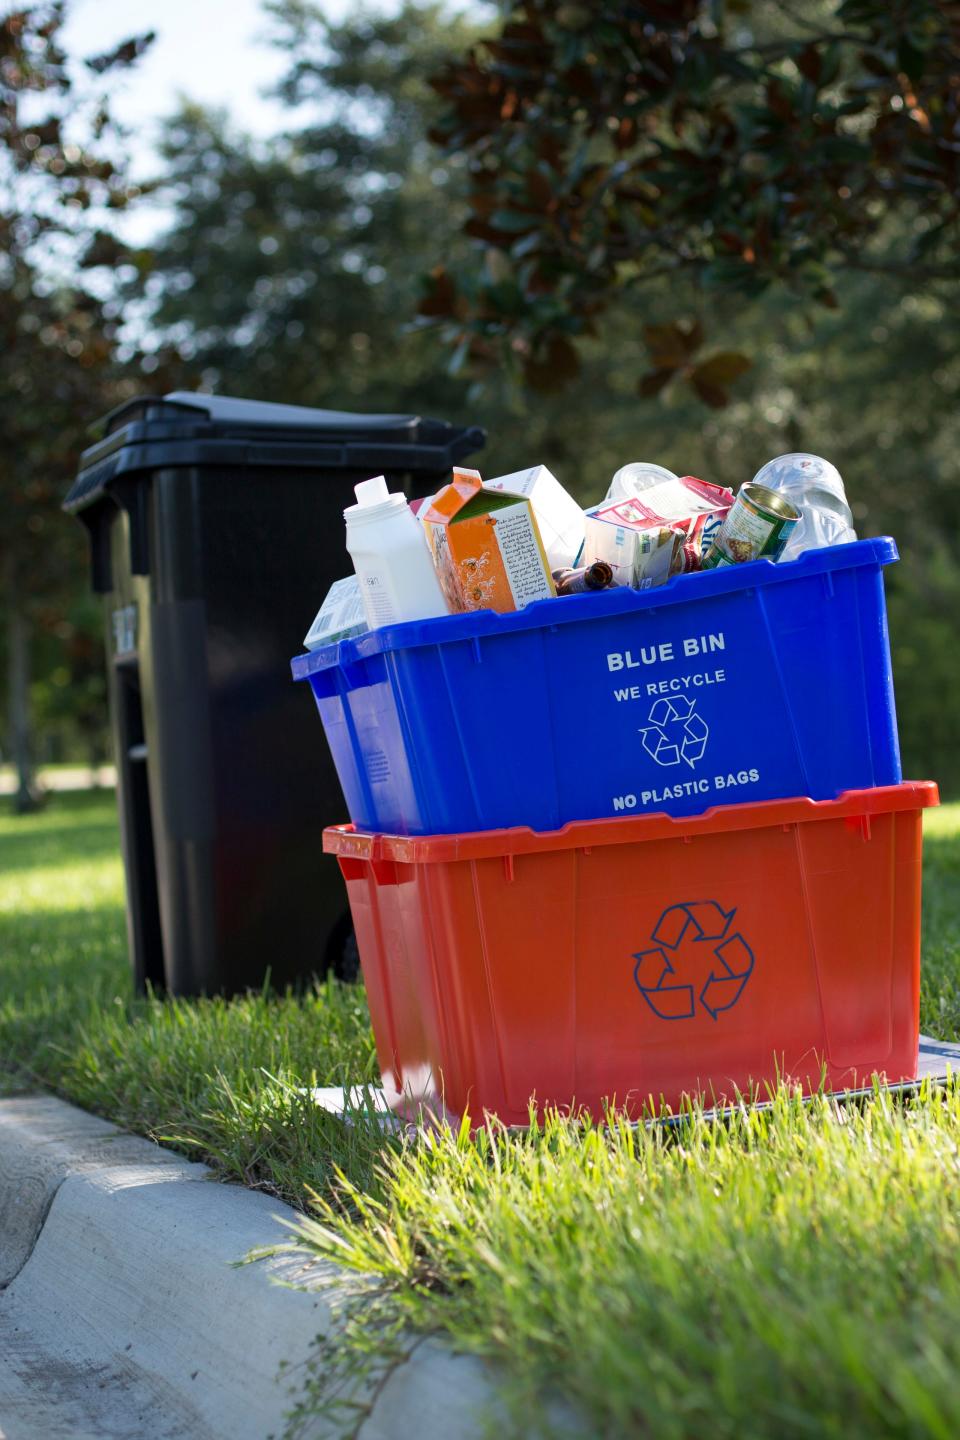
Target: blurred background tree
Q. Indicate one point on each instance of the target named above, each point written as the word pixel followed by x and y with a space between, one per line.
pixel 739 147
pixel 61 179
pixel 698 234
pixel 743 304
pixel 290 268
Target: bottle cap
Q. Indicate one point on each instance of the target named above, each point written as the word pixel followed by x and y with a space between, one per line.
pixel 374 502
pixel 371 492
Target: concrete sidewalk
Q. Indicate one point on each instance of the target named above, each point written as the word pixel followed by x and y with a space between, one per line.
pixel 123 1313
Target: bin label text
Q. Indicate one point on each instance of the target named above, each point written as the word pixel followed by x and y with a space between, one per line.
pixel 124 624
pixel 659 654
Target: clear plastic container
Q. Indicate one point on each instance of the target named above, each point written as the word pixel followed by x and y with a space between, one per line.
pixel 631 480
pixel 814 486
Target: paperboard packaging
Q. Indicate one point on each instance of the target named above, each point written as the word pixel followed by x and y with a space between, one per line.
pixel 647 540
pixel 486 546
pixel 559 517
pixel 340 617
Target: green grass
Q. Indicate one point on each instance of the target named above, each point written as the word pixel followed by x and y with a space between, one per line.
pixel 793 1273
pixel 940 972
pixel 222 1081
pixel 787 1274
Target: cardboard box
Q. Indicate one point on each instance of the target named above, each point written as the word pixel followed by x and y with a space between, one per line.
pixel 559 517
pixel 647 540
pixel 340 617
pixel 486 546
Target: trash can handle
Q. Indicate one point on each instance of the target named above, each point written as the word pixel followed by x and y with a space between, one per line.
pixel 133 496
pixel 101 570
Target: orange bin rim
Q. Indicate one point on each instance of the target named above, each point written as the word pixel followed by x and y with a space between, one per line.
pixel 344 840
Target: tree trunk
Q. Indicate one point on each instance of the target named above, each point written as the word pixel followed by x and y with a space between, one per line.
pixel 26 798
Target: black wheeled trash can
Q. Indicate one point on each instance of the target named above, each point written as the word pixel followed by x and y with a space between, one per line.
pixel 215 530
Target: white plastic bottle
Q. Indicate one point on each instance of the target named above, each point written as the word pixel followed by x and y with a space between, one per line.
pixel 389 552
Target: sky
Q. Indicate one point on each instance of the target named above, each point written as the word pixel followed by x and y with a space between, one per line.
pixel 216 51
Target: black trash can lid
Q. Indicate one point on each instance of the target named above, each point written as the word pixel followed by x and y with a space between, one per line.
pixel 188 429
pixel 233 413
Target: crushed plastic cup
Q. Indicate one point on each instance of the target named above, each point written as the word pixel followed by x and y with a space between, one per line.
pixel 814 486
pixel 631 480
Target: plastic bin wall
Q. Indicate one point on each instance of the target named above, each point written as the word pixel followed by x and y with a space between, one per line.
pixel 644 959
pixel 743 684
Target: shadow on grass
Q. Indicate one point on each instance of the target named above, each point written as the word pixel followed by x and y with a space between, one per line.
pixel 60 808
pixel 940 969
pixel 941 887
pixel 70 828
pixel 59 972
pixel 69 949
pixel 33 850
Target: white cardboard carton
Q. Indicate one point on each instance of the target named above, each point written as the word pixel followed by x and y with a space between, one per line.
pixel 559 517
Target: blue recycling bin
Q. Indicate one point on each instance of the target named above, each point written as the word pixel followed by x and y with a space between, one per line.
pixel 757 682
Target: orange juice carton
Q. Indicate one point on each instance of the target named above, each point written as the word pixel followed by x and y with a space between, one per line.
pixel 559 517
pixel 662 532
pixel 486 546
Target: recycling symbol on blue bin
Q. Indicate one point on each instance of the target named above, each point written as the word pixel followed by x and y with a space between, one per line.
pixel 688 939
pixel 674 731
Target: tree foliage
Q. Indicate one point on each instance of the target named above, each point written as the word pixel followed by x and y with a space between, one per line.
pixel 57 176
pixel 290 270
pixel 62 175
pixel 616 147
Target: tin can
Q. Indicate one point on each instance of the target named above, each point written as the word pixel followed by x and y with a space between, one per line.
pixel 758 524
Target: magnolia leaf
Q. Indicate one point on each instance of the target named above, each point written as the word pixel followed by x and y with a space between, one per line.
pixel 103 249
pixel 672 345
pixel 653 382
pixel 128 53
pixel 809 64
pixel 713 395
pixel 722 368
pixel 551 367
pixel 513 222
pixel 440 300
pixel 539 189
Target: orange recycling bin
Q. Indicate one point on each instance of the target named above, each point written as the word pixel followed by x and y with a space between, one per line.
pixel 639 960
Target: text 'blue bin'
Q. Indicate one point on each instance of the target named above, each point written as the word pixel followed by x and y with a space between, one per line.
pixel 754 682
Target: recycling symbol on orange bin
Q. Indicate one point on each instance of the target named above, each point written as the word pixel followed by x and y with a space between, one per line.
pixel 674 731
pixel 685 937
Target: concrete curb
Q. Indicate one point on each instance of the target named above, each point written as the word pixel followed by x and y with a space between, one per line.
pixel 122 1312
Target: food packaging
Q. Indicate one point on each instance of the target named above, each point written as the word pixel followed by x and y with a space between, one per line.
pixel 486 546
pixel 559 517
pixel 340 617
pixel 646 540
